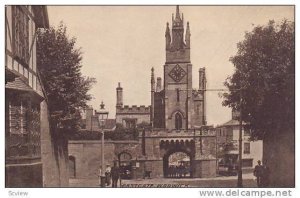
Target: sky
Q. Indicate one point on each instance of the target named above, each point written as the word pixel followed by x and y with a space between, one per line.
pixel 122 43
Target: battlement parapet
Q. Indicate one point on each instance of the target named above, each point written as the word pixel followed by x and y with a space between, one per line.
pixel 134 109
pixel 204 131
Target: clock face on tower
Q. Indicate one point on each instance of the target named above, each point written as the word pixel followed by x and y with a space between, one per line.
pixel 177 73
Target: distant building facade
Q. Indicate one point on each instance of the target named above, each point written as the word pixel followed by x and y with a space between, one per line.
pixel 130 116
pixel 228 142
pixel 29 148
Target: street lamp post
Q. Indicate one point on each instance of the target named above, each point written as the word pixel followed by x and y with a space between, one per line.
pixel 240 173
pixel 102 160
pixel 103 115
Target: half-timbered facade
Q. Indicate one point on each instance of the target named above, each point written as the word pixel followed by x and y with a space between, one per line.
pixel 25 104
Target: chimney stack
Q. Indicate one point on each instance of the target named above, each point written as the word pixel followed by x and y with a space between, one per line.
pixel 119 96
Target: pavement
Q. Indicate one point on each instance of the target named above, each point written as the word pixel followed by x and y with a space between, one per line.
pixel 220 181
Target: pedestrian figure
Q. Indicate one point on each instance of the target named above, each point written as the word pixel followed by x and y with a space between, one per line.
pixel 99 174
pixel 172 171
pixel 258 173
pixel 266 174
pixel 108 175
pixel 115 174
pixel 184 171
pixel 180 170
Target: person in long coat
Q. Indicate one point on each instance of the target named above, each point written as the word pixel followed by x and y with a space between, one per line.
pixel 115 175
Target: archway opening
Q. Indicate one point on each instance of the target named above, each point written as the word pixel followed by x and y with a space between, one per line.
pixel 178 121
pixel 125 165
pixel 177 165
pixel 72 167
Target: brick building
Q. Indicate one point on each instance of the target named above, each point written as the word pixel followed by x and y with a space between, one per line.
pixel 30 157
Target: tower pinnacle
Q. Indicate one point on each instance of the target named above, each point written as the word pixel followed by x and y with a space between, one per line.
pixel 177 13
pixel 168 37
pixel 187 35
pixel 152 80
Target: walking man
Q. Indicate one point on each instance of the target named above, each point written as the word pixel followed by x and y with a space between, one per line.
pixel 258 173
pixel 115 174
pixel 108 175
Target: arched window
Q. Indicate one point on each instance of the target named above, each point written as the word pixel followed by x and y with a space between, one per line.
pixel 124 158
pixel 178 121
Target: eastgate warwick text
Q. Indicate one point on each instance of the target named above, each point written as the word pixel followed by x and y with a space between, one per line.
pixel 154 185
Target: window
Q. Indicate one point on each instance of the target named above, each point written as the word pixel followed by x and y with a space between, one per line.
pixel 246 148
pixel 21 34
pixel 130 123
pixel 178 121
pixel 247 162
pixel 178 96
pixel 198 110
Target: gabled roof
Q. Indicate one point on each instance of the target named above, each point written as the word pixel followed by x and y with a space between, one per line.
pixel 232 123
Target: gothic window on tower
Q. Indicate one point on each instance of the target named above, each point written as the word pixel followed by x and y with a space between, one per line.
pixel 178 121
pixel 21 34
pixel 178 95
pixel 198 110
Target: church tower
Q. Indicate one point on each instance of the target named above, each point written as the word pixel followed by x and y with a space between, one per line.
pixel 178 75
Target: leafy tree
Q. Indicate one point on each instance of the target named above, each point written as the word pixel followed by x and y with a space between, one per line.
pixel 265 79
pixel 59 63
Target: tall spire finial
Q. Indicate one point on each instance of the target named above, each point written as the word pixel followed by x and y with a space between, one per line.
pixel 168 37
pixel 177 12
pixel 187 35
pixel 102 105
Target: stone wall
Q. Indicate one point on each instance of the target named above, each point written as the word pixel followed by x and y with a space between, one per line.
pixel 205 168
pixel 158 146
pixel 54 154
pixel 178 56
pixel 159 110
pixel 87 154
pixel 29 176
pixel 202 152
